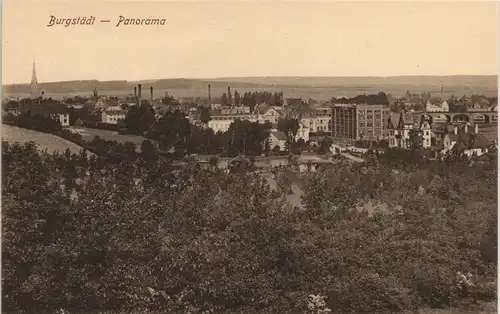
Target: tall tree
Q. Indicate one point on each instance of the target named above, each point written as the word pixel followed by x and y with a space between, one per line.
pixel 225 100
pixel 204 115
pixel 237 98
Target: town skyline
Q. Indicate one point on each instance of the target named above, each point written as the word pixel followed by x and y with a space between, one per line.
pixel 278 39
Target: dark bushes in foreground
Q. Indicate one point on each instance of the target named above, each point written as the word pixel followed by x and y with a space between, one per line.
pixel 85 234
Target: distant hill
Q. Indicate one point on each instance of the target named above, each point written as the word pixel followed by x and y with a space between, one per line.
pixel 89 85
pixel 319 88
pixel 453 80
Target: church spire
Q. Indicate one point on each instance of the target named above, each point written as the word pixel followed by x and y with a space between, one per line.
pixel 34 81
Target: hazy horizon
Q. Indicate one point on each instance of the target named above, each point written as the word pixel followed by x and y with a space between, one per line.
pixel 257 77
pixel 217 40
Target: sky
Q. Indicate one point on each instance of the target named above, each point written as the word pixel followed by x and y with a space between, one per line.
pixel 207 39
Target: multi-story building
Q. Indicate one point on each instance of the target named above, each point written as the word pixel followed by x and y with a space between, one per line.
pixel 372 121
pixel 360 121
pixel 62 117
pixel 405 132
pixel 220 120
pixel 437 108
pixel 317 120
pixel 344 121
pixel 277 138
pixel 113 114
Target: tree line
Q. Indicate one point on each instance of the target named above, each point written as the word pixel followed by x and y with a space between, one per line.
pixel 371 99
pixel 88 234
pixel 251 99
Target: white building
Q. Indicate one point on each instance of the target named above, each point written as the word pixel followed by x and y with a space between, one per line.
pixel 399 127
pixel 437 108
pixel 220 120
pixel 63 118
pixel 302 133
pixel 113 114
pixel 317 120
pixel 267 115
pixel 277 139
pixel 426 134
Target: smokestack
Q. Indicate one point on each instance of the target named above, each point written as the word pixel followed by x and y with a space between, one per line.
pixel 209 95
pixel 229 95
pixel 135 91
pixel 139 87
pixel 151 90
pixel 476 128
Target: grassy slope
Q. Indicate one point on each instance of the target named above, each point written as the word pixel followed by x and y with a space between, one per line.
pixel 48 142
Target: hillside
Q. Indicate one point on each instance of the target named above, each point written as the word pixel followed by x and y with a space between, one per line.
pixel 319 88
pixel 48 142
pixel 488 81
pixel 89 85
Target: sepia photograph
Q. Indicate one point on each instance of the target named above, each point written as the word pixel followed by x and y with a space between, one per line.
pixel 270 156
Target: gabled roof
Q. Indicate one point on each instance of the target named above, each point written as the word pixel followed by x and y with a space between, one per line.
pixel 407 118
pixel 280 135
pixel 459 146
pixel 439 129
pixel 479 141
pixel 261 109
pixel 393 120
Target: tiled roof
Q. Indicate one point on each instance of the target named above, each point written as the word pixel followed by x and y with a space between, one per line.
pixel 280 135
pixel 471 141
pixel 393 119
pixel 490 136
pixel 407 118
pixel 262 108
pixel 439 129
pixel 459 146
pixel 479 141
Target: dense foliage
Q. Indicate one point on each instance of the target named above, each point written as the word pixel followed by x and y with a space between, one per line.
pixel 372 99
pixel 89 233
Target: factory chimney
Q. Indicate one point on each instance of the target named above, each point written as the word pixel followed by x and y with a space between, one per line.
pixel 151 89
pixel 135 91
pixel 229 97
pixel 209 96
pixel 139 88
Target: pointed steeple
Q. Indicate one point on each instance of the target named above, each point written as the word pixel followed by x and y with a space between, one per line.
pixel 34 81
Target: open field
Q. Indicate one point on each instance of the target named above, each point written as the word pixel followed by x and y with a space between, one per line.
pixel 45 141
pixel 89 134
